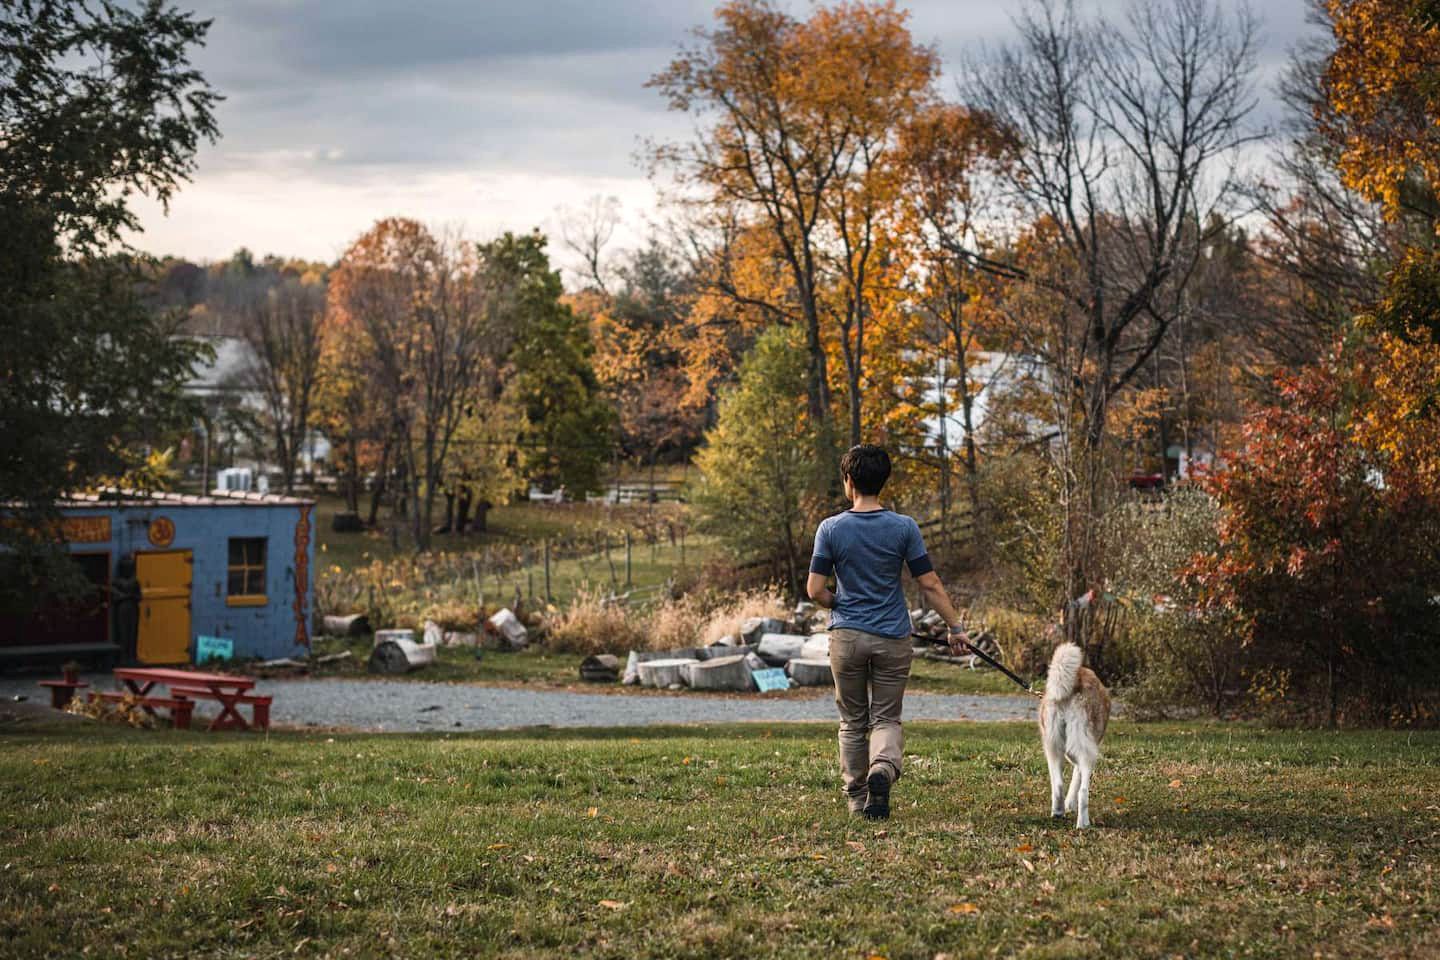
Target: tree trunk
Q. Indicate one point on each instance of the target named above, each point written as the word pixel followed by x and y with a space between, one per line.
pixel 285 455
pixel 381 478
pixel 352 486
pixel 462 518
pixel 943 449
pixel 854 379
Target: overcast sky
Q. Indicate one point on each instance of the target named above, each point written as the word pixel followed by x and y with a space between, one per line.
pixel 486 114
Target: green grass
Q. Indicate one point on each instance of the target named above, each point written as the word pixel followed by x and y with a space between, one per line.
pixel 517 532
pixel 729 841
pixel 540 668
pixel 513 523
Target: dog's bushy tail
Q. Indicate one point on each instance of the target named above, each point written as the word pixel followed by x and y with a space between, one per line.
pixel 1064 668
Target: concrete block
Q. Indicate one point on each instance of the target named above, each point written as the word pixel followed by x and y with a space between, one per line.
pixel 777 649
pixel 721 673
pixel 664 673
pixel 810 673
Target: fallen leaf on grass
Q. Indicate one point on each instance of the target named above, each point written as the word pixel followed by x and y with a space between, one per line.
pixel 501 846
pixel 818 856
pixel 855 845
pixel 1028 865
pixel 964 908
pixel 593 812
pixel 613 904
pixel 1176 784
pixel 1024 848
pixel 1385 922
pixel 1119 799
pixel 331 868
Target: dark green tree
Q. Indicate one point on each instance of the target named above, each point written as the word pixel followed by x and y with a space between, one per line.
pixel 98 103
pixel 570 428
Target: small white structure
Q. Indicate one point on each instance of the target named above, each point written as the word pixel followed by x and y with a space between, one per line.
pixel 235 480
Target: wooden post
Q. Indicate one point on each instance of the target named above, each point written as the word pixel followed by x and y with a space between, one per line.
pixel 627 560
pixel 682 546
pixel 614 582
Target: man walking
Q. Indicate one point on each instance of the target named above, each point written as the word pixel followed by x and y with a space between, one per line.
pixel 865 548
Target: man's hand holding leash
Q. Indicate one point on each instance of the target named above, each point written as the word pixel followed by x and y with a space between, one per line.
pixel 959 640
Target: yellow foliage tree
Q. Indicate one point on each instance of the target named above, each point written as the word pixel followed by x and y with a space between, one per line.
pixel 1382 96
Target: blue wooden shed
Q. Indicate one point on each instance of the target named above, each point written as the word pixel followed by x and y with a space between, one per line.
pixel 169 568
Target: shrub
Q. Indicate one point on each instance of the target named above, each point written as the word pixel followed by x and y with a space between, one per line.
pixel 1327 539
pixel 1024 528
pixel 1173 648
pixel 759 469
pixel 725 618
pixel 593 624
pixel 678 622
pixel 458 615
pixel 1026 641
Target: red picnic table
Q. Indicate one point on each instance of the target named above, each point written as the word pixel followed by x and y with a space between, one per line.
pixel 228 689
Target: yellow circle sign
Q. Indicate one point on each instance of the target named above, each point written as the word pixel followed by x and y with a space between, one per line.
pixel 162 531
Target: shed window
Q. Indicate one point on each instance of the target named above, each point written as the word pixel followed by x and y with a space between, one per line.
pixel 247 570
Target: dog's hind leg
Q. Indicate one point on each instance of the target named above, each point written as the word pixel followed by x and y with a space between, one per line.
pixel 1054 755
pixel 1074 788
pixel 1084 764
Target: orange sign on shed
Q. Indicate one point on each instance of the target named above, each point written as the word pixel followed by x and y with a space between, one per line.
pixel 162 531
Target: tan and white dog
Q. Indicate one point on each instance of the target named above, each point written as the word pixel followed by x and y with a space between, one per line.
pixel 1073 716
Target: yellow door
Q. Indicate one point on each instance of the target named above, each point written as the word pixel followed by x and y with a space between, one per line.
pixel 164 606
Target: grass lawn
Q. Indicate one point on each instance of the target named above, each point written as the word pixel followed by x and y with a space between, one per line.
pixel 512 523
pixel 536 667
pixel 706 842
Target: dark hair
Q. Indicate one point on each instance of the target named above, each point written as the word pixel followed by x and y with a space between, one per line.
pixel 867 466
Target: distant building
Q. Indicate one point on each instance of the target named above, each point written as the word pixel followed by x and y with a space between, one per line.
pixel 999 380
pixel 225 387
pixel 168 568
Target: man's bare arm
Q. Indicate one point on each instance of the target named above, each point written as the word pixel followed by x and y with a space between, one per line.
pixel 817 586
pixel 938 600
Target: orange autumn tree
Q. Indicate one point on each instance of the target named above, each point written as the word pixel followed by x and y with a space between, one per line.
pixel 798 130
pixel 1381 101
pixel 641 356
pixel 425 321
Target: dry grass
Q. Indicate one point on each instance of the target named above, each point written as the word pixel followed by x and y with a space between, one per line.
pixel 725 620
pixel 592 624
pixel 703 619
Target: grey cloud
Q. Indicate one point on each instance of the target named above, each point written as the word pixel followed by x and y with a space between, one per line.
pixel 360 93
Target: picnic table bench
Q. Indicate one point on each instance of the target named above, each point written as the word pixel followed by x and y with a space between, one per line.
pixel 179 707
pixel 189 686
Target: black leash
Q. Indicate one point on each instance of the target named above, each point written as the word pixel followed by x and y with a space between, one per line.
pixel 983 656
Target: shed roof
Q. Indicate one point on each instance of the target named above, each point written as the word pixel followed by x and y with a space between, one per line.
pixel 114 497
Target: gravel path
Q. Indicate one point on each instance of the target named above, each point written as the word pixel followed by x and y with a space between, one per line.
pixel 407 706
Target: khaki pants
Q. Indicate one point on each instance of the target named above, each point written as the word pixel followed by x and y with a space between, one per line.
pixel 870 677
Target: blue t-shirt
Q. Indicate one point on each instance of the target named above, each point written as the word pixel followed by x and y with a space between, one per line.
pixel 865 551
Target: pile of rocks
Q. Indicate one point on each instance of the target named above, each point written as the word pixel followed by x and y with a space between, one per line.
pixel 768 653
pixel 397 651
